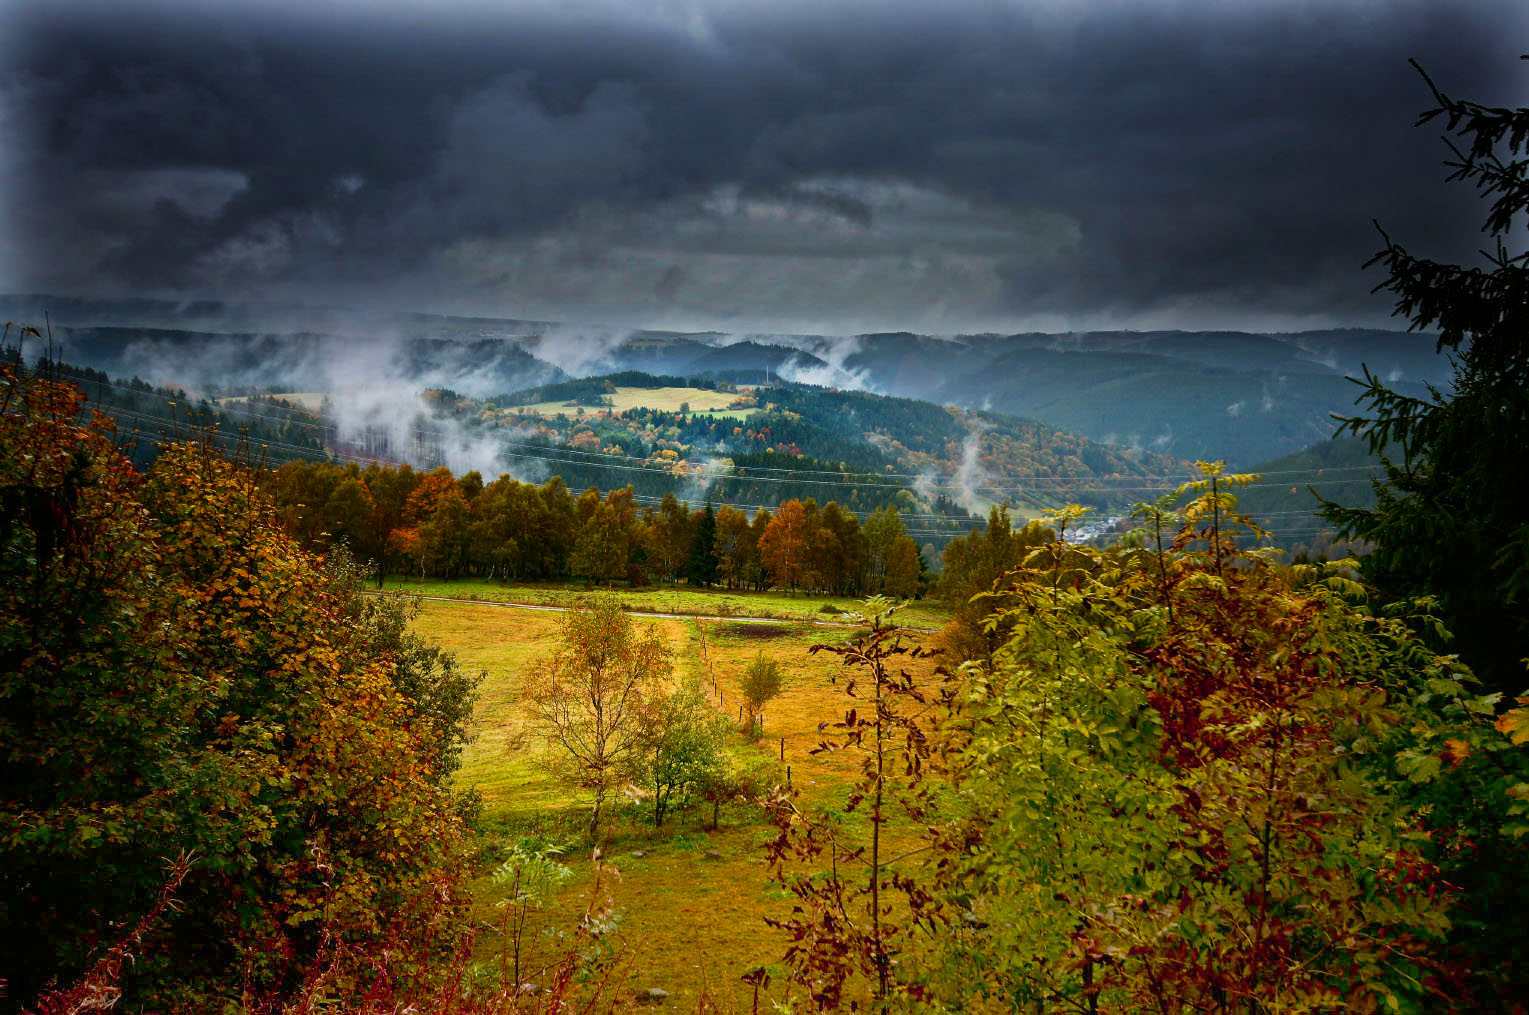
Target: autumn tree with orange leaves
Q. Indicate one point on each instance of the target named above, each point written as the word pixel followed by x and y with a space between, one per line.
pixel 178 678
pixel 783 545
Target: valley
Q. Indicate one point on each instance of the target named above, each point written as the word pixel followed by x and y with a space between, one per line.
pixel 1241 397
pixel 1105 419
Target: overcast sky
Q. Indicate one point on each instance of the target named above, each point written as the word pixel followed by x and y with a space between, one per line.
pixel 749 166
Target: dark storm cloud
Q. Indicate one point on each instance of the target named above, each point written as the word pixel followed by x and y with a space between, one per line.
pixel 835 166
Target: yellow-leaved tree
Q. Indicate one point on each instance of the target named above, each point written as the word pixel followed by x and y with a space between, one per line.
pixel 589 701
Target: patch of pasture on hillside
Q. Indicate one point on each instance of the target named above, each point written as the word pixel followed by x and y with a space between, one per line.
pixel 700 400
pixel 308 401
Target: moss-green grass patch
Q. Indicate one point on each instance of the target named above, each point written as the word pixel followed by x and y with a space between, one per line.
pixel 681 599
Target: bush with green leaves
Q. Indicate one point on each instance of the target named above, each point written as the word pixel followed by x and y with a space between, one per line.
pixel 762 682
pixel 1181 788
pixel 684 751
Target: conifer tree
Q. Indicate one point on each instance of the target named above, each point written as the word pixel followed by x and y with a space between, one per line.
pixel 1449 520
pixel 701 568
pixel 1449 526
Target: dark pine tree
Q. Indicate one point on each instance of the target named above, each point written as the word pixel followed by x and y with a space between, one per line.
pixel 1449 521
pixel 701 568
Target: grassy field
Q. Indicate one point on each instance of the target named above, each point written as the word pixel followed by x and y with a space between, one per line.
pixel 310 401
pixel 700 400
pixel 923 614
pixel 686 920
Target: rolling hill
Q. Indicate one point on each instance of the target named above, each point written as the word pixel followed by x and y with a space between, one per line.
pixel 1286 502
pixel 1239 396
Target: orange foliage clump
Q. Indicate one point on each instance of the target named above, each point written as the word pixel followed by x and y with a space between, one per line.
pixel 178 677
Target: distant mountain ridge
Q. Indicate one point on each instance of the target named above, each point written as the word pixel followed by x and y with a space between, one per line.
pixel 1244 397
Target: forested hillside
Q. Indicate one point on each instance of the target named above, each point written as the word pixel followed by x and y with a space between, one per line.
pixel 1289 501
pixel 1194 411
pixel 931 464
pixel 794 440
pixel 1238 396
pixel 772 444
pixel 252 423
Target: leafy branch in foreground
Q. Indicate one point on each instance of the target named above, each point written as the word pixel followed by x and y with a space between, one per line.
pixel 1177 791
pixel 845 923
pixel 531 873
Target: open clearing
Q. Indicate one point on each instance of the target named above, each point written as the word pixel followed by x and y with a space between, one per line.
pixel 308 401
pixel 687 920
pixel 924 614
pixel 701 401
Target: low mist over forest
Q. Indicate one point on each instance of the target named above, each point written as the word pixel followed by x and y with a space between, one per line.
pixel 1238 396
pixel 1131 409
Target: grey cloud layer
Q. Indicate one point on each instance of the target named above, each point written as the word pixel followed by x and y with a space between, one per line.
pixel 747 166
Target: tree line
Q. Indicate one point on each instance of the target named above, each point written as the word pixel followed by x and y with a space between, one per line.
pixel 435 524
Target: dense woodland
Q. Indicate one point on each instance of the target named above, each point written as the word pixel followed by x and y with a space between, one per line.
pixel 1172 774
pixel 864 450
pixel 434 524
pixel 785 442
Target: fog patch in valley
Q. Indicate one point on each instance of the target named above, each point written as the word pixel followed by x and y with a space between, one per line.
pixel 832 372
pixel 578 351
pixel 1266 400
pixel 378 402
pixel 970 476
